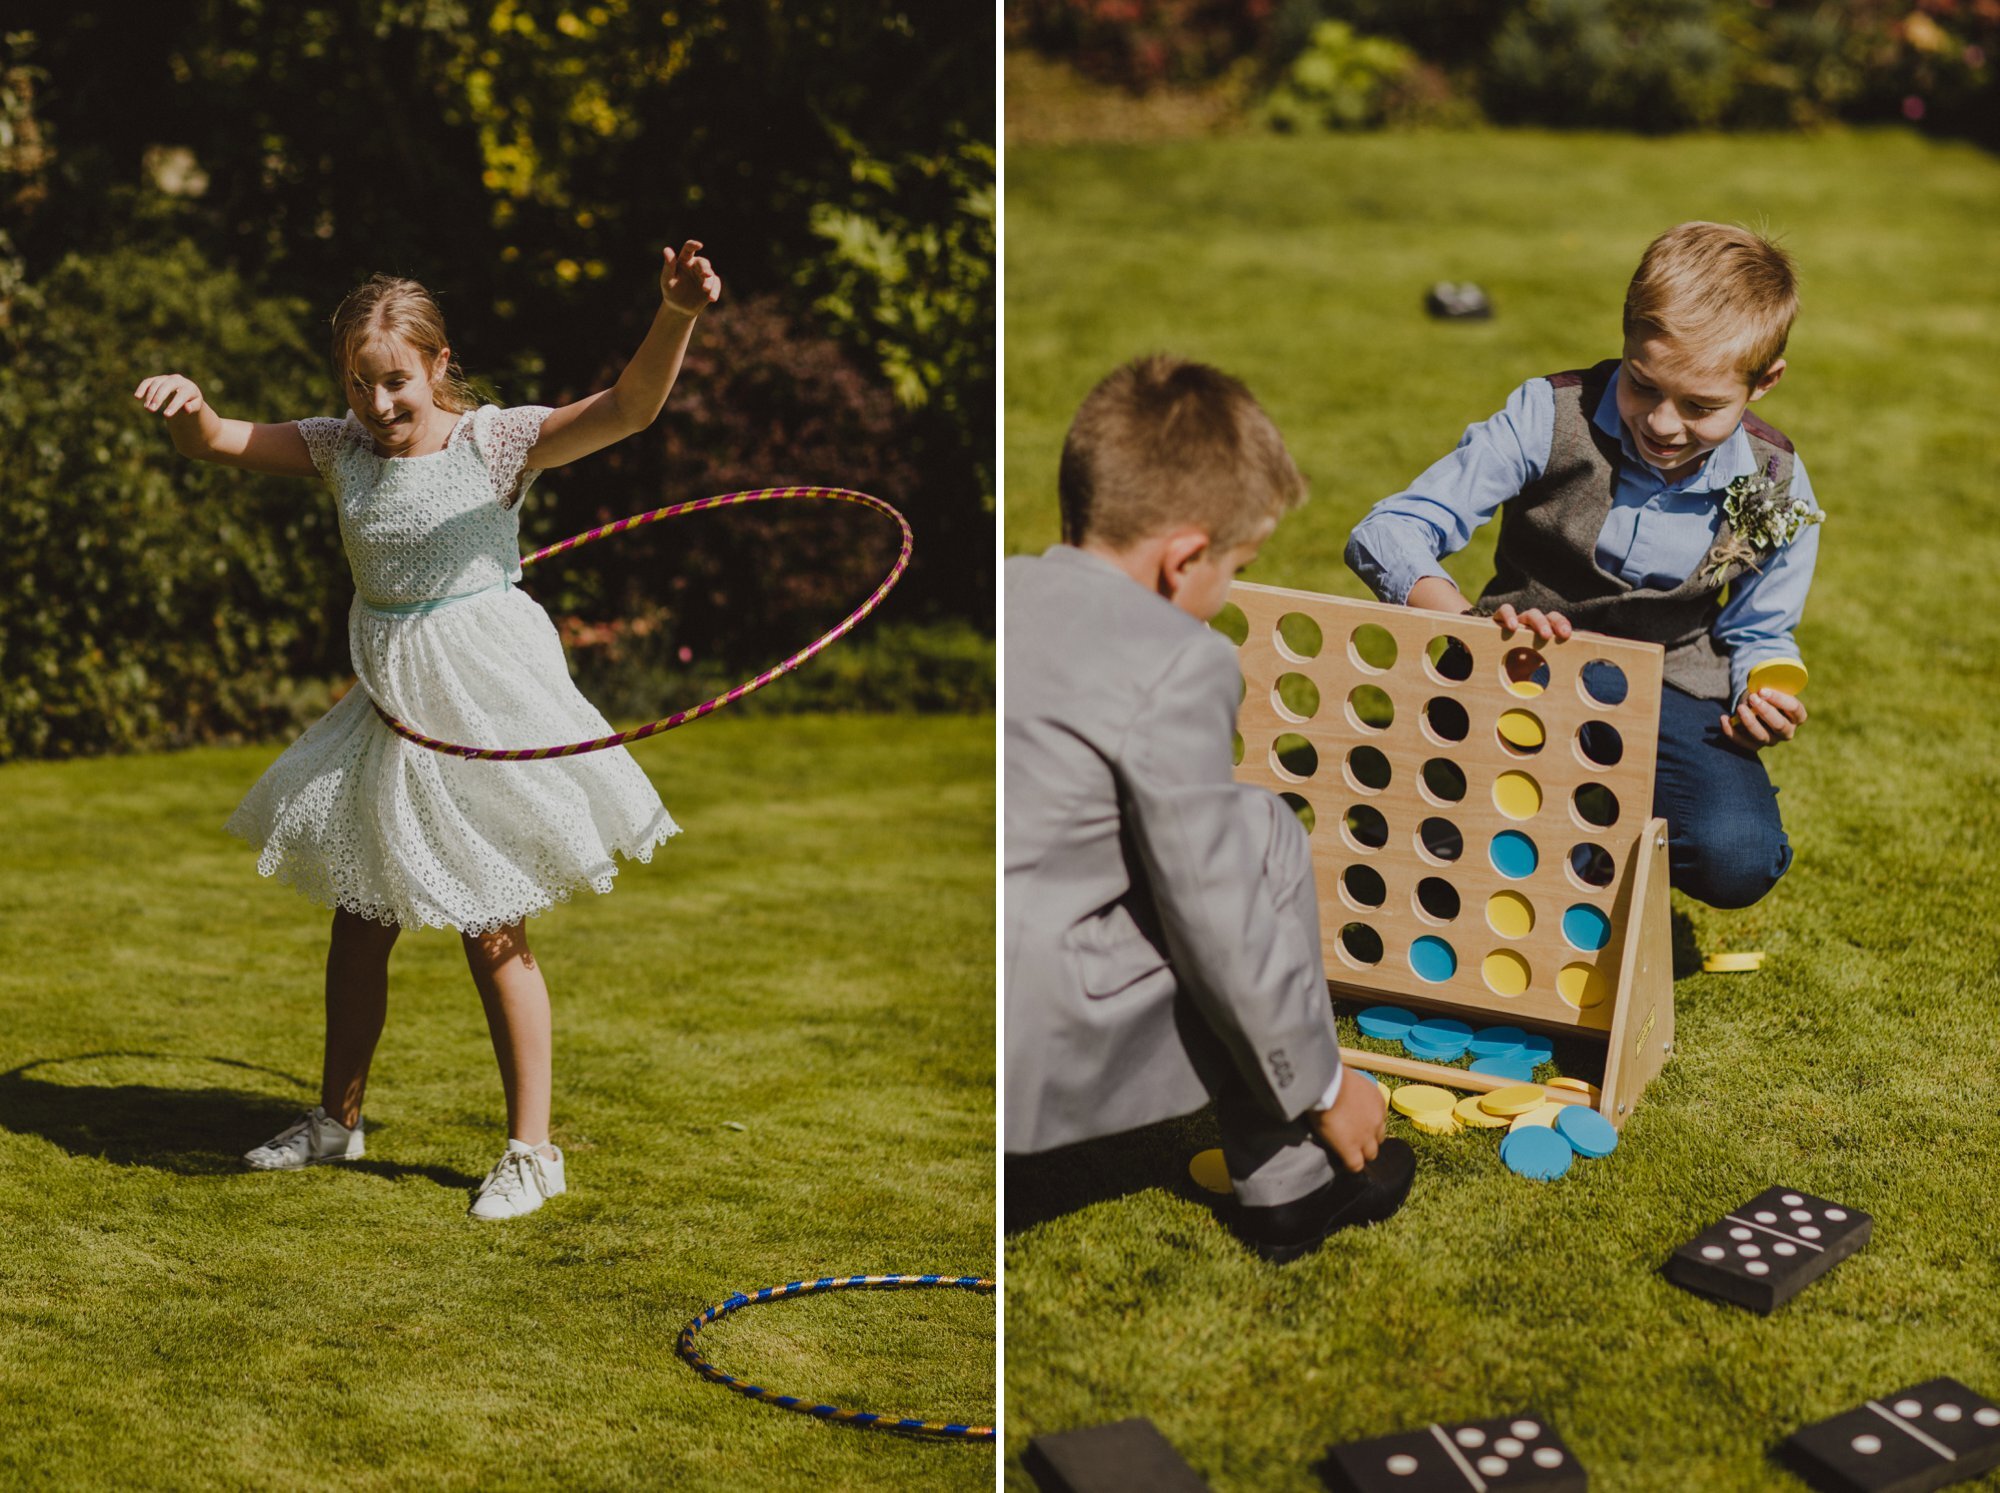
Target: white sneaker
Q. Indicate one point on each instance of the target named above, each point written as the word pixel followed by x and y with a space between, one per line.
pixel 520 1182
pixel 317 1137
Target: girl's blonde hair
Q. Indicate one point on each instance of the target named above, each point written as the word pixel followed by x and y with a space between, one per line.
pixel 388 306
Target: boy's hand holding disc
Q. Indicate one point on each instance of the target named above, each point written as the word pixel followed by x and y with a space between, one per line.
pixel 1770 710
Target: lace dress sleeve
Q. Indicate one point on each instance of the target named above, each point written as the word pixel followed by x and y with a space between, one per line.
pixel 503 439
pixel 323 437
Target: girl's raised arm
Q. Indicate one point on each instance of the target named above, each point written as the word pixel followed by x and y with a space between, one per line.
pixel 199 432
pixel 688 283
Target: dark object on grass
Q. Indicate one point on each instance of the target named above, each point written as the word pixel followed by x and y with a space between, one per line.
pixel 1127 1456
pixel 1466 302
pixel 1289 1231
pixel 1767 1251
pixel 1519 1454
pixel 1919 1438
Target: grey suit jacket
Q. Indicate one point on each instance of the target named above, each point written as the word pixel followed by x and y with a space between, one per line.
pixel 1145 887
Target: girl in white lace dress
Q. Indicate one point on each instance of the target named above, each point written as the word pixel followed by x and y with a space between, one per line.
pixel 390 834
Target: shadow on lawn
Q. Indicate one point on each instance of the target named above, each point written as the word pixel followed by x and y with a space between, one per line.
pixel 191 1132
pixel 1049 1184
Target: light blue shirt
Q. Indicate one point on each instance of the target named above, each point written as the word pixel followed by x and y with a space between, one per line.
pixel 1655 535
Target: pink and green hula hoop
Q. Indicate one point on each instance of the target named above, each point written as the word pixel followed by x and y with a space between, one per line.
pixel 682 717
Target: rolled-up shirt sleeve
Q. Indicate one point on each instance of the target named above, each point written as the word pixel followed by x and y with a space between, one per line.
pixel 1404 536
pixel 1764 608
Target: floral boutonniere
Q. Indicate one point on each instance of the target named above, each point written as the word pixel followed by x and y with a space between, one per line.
pixel 1763 515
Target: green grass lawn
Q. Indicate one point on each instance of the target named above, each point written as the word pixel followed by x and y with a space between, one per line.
pixel 1859 1065
pixel 774 1060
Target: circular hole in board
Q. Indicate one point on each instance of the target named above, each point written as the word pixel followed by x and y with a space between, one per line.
pixel 1596 805
pixel 1582 985
pixel 1432 959
pixel 1231 623
pixel 1366 828
pixel 1602 682
pixel 1520 732
pixel 1360 944
pixel 1439 841
pixel 1368 769
pixel 1513 855
pixel 1302 808
pixel 1524 672
pixel 1510 914
pixel 1295 697
pixel 1443 781
pixel 1436 900
pixel 1370 707
pixel 1505 972
pixel 1445 721
pixel 1373 647
pixel 1294 758
pixel 1517 795
pixel 1592 866
pixel 1298 637
pixel 1363 886
pixel 1599 744
pixel 1450 660
pixel 1585 927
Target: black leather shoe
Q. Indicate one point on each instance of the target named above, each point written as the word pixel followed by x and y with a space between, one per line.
pixel 1287 1231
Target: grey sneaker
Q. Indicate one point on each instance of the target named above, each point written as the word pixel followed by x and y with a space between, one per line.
pixel 520 1182
pixel 317 1137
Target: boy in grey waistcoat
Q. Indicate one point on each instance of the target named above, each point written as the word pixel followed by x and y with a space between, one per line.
pixel 1610 483
pixel 1162 931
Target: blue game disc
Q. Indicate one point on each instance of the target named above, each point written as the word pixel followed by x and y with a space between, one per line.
pixel 1497 1041
pixel 1440 1039
pixel 1537 1153
pixel 1586 927
pixel 1514 1065
pixel 1513 854
pixel 1432 959
pixel 1535 1045
pixel 1388 1023
pixel 1587 1130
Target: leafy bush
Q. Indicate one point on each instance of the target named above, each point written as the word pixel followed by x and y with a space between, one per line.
pixel 1648 65
pixel 1340 81
pixel 1141 44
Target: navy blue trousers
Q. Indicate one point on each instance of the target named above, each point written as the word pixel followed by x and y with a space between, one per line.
pixel 1726 845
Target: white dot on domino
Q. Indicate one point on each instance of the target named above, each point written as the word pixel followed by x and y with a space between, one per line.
pixel 1527 1430
pixel 1547 1456
pixel 1791 1200
pixel 1948 1412
pixel 1748 1251
pixel 1784 1247
pixel 1807 1231
pixel 1507 1446
pixel 1766 1217
pixel 1867 1445
pixel 1986 1415
pixel 1492 1466
pixel 1739 1233
pixel 1757 1267
pixel 1402 1464
pixel 1799 1215
pixel 1836 1215
pixel 1469 1436
pixel 1909 1409
pixel 1713 1251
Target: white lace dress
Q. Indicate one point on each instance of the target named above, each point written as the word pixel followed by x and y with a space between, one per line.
pixel 353 815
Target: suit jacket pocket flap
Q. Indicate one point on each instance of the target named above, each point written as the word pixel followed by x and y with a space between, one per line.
pixel 1113 952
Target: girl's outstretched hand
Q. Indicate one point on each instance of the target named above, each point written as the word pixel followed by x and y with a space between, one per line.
pixel 171 394
pixel 688 283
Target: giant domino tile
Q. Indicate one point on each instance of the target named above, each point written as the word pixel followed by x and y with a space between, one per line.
pixel 1405 741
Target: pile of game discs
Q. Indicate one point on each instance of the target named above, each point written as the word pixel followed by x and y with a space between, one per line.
pixel 1498 1051
pixel 1543 1135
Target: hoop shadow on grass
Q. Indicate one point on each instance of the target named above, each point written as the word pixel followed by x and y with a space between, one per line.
pixel 192 1132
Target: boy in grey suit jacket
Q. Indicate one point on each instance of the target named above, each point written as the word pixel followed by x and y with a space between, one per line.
pixel 1162 932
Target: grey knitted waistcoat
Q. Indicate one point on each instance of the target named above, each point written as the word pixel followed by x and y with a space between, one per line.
pixel 1547 552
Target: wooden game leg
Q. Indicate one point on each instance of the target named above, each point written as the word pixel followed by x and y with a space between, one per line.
pixel 1642 1026
pixel 1453 1078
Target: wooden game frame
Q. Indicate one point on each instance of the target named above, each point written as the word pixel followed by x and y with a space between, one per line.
pixel 1621 993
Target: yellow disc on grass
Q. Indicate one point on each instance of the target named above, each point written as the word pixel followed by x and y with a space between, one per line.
pixel 1435 1122
pixel 1516 1099
pixel 1414 1099
pixel 1733 964
pixel 1575 1084
pixel 1210 1171
pixel 1517 795
pixel 1543 1115
pixel 1582 985
pixel 1522 729
pixel 1469 1112
pixel 1785 675
pixel 1510 915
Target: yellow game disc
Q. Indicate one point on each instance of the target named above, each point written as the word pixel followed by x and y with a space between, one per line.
pixel 1785 675
pixel 1435 1122
pixel 1414 1099
pixel 1517 795
pixel 1733 964
pixel 1510 915
pixel 1520 728
pixel 1469 1112
pixel 1517 1099
pixel 1543 1115
pixel 1210 1171
pixel 1577 1084
pixel 1582 985
pixel 1505 972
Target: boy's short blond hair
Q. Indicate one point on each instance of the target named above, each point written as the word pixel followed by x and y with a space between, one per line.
pixel 1721 292
pixel 1162 443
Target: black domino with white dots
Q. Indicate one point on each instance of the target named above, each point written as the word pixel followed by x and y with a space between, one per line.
pixel 1517 1455
pixel 1767 1251
pixel 1919 1438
